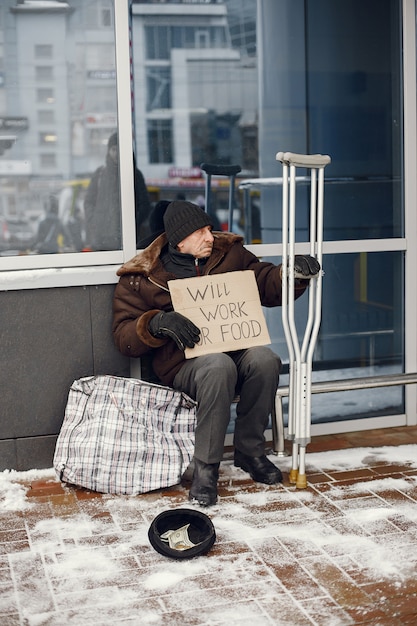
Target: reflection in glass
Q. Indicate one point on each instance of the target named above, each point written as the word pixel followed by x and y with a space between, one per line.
pixel 336 90
pixel 58 108
pixel 211 85
pixel 195 97
pixel 102 202
pixel 361 332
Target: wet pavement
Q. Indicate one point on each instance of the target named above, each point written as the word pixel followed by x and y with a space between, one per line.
pixel 343 551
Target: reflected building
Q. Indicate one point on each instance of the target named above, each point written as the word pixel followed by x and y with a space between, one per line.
pixel 194 90
pixel 59 82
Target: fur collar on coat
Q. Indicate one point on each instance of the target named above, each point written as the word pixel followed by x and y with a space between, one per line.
pixel 147 260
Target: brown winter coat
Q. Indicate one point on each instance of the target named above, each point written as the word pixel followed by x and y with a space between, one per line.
pixel 142 292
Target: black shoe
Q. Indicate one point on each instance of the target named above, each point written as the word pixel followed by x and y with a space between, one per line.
pixel 259 467
pixel 204 486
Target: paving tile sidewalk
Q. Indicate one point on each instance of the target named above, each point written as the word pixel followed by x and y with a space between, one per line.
pixel 341 552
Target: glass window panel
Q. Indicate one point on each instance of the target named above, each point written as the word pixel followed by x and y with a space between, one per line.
pixel 101 99
pixel 333 89
pixel 48 161
pixel 361 332
pixel 189 36
pixel 97 139
pixel 177 34
pixel 47 138
pixel 363 209
pixel 59 125
pixel 150 42
pixel 45 94
pixel 340 103
pixel 158 90
pixel 106 17
pixel 157 45
pixel 354 114
pixel 43 73
pixel 100 57
pixel 98 14
pixel 46 117
pixel 202 39
pixel 362 316
pixel 43 51
pixel 160 141
pixel 164 42
pixel 361 312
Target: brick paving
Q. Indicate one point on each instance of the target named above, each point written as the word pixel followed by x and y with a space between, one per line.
pixel 343 551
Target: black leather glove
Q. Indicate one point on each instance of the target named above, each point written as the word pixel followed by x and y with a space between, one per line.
pixel 177 327
pixel 306 266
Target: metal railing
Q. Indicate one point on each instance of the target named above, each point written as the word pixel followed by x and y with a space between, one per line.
pixel 330 386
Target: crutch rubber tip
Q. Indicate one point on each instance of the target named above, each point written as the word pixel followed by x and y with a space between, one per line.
pixel 293 476
pixel 301 482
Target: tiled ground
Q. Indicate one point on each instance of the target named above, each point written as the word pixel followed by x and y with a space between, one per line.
pixel 341 552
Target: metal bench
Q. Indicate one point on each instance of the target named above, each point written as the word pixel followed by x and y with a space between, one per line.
pixel 345 384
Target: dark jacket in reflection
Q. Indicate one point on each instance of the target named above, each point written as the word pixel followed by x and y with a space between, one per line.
pixel 52 236
pixel 102 206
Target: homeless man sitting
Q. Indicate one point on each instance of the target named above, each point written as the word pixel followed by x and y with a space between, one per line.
pixel 144 321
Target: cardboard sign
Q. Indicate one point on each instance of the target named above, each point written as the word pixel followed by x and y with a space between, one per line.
pixel 225 307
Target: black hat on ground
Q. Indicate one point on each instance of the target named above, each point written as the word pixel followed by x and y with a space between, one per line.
pixel 183 218
pixel 182 533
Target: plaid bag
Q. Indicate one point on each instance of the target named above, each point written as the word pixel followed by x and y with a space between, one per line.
pixel 124 435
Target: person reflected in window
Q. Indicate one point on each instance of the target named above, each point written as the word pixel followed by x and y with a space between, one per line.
pixel 52 236
pixel 156 223
pixel 75 228
pixel 142 204
pixel 102 202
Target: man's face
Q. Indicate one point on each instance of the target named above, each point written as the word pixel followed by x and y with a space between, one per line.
pixel 114 153
pixel 199 243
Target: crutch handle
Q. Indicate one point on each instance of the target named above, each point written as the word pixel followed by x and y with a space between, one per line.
pixel 303 160
pixel 220 170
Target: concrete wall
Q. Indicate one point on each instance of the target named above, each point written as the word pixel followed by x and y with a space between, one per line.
pixel 48 339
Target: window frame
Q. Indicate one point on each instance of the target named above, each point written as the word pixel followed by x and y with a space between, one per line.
pixel 80 268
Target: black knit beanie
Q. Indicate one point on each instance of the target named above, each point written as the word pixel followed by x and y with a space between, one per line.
pixel 183 218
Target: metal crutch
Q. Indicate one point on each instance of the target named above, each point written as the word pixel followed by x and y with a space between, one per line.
pixel 230 171
pixel 301 357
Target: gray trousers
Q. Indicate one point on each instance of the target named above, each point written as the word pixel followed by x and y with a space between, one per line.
pixel 213 381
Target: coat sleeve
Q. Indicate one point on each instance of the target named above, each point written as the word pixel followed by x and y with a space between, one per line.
pixel 268 278
pixel 130 319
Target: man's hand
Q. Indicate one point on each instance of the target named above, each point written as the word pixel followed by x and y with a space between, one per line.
pixel 306 266
pixel 177 327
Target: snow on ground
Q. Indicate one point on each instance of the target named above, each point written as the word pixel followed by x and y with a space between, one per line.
pixel 12 490
pixel 80 568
